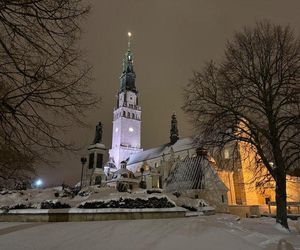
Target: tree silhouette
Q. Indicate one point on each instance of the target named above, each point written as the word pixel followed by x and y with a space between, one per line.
pixel 253 97
pixel 44 80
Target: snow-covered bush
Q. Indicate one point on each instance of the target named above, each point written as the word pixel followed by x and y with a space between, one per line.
pixel 21 206
pixel 17 206
pixel 154 191
pixel 191 204
pixel 53 205
pixel 122 186
pixel 151 202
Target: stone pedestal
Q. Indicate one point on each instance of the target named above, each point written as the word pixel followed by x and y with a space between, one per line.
pixel 95 168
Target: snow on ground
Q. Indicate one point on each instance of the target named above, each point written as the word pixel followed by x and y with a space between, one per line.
pixel 34 197
pixel 215 232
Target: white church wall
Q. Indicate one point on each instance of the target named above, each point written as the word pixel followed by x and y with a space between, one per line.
pixel 130 133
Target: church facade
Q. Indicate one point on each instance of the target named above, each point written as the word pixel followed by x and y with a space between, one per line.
pixel 166 165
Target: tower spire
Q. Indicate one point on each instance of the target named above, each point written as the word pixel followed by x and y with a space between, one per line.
pixel 127 79
pixel 126 139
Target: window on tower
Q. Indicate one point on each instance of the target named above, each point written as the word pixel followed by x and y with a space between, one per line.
pixel 132 115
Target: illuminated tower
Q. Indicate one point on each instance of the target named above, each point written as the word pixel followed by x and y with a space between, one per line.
pixel 126 135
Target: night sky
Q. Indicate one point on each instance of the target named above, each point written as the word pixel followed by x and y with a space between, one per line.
pixel 171 39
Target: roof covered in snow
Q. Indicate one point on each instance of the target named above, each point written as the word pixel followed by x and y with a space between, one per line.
pixel 193 173
pixel 165 149
pixel 123 172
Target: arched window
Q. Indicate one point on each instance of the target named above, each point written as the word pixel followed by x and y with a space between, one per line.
pixel 124 113
pixel 132 115
pixel 128 114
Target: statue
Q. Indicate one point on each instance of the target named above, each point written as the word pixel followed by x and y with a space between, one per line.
pixel 98 134
pixel 174 130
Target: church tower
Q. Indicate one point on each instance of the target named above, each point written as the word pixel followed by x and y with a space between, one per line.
pixel 126 134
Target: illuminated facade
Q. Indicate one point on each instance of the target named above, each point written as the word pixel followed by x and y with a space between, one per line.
pixel 246 186
pixel 126 134
pixel 241 180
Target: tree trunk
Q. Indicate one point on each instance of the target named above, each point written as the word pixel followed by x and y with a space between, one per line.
pixel 281 211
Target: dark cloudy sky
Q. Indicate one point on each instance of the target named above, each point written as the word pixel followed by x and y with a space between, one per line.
pixel 171 38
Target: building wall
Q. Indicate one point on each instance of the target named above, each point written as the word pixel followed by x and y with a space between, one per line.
pixel 126 134
pixel 241 182
pixel 227 178
pixel 293 189
pixel 260 196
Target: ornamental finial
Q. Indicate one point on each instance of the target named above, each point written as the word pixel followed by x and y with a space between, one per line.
pixel 129 39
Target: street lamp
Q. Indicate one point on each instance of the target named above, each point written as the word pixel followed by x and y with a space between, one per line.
pixel 83 161
pixel 38 183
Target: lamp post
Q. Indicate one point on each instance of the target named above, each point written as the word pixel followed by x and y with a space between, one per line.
pixel 143 182
pixel 83 161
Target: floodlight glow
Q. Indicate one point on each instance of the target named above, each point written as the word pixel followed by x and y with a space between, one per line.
pixel 38 183
pixel 129 34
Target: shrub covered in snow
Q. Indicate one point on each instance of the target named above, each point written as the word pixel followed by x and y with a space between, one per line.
pixel 154 191
pixel 6 191
pixel 151 202
pixel 17 206
pixel 21 206
pixel 53 205
pixel 191 204
pixel 84 193
pixel 122 186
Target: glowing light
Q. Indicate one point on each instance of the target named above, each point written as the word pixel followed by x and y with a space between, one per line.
pixel 38 183
pixel 117 129
pixel 130 129
pixel 129 34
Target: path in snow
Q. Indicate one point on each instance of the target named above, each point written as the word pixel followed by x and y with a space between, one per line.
pixel 211 232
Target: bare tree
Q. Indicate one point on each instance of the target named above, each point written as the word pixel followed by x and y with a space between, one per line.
pixel 253 96
pixel 15 168
pixel 44 81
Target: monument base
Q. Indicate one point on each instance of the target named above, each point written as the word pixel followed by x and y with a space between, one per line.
pixel 95 169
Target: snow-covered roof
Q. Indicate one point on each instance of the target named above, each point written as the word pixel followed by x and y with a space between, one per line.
pixel 120 172
pixel 193 173
pixel 165 149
